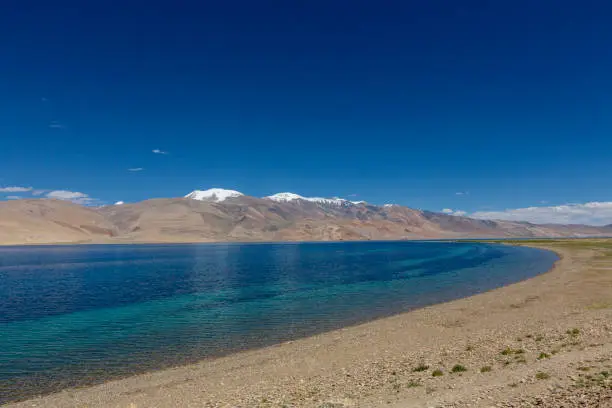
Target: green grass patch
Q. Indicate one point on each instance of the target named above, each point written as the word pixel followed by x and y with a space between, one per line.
pixel 458 368
pixel 542 376
pixel 420 367
pixel 508 351
pixel 437 373
pixel 600 306
pixel 583 369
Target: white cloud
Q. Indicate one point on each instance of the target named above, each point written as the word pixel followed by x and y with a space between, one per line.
pixel 119 203
pixel 158 151
pixel 56 125
pixel 450 211
pixel 74 196
pixel 460 193
pixel 136 169
pixel 38 192
pixel 593 213
pixel 66 195
pixel 15 189
pixel 13 197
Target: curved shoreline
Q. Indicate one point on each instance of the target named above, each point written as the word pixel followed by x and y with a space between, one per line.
pixel 535 262
pixel 341 356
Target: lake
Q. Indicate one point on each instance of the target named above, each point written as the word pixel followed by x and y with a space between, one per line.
pixel 77 315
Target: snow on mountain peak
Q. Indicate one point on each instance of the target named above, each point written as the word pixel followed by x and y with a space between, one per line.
pixel 219 194
pixel 119 203
pixel 287 197
pixel 284 197
pixel 213 194
pixel 328 201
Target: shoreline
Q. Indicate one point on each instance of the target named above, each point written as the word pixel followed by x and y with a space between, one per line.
pixel 499 240
pixel 251 377
pixel 29 389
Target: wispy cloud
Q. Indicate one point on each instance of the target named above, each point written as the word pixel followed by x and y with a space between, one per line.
pixel 56 125
pixel 450 211
pixel 353 195
pixel 15 189
pixel 158 151
pixel 74 196
pixel 136 169
pixel 593 213
pixel 460 193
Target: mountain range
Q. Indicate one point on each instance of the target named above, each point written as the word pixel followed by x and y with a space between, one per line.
pixel 218 215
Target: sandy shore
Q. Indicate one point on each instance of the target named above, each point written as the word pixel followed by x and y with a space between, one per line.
pixel 546 341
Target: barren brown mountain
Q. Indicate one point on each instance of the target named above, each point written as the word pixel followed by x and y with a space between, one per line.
pixel 51 221
pixel 248 219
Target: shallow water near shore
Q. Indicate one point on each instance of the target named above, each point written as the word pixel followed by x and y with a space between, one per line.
pixel 76 315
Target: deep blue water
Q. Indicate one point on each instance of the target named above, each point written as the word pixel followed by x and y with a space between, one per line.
pixel 74 315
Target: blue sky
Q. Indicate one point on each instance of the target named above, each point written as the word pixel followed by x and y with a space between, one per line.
pixel 406 102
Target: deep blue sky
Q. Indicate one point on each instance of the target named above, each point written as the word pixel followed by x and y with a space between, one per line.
pixel 407 102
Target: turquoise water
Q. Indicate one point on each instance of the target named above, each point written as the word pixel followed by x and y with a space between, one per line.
pixel 75 315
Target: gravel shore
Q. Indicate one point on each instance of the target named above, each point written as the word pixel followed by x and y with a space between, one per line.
pixel 543 342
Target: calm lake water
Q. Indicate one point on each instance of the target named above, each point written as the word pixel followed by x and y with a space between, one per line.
pixel 74 315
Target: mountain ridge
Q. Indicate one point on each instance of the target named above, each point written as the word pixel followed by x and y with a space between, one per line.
pixel 217 216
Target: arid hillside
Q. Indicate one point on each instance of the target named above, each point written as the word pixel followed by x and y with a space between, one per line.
pixel 245 218
pixel 51 221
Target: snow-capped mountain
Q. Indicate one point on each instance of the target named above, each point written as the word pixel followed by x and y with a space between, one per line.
pixel 288 197
pixel 285 197
pixel 225 215
pixel 213 194
pixel 219 194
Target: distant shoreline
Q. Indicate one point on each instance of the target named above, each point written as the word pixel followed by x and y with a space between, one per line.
pixel 466 239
